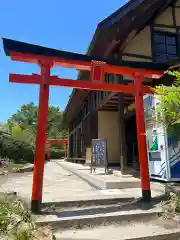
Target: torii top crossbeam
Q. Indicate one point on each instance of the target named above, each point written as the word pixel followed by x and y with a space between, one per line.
pixel 24 52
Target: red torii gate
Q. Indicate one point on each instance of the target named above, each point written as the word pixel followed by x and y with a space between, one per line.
pixel 46 59
pixel 51 142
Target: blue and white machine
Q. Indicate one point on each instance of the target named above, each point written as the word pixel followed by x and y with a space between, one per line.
pixel 164 154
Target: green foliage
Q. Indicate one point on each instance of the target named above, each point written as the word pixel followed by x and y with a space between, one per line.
pixel 16 130
pixel 22 126
pixel 57 153
pixel 26 120
pixel 171 207
pixel 15 150
pixel 169 107
pixel 16 222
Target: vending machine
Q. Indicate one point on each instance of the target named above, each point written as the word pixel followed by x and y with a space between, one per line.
pixel 163 151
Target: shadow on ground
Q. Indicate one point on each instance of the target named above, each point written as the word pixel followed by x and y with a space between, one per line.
pixel 137 204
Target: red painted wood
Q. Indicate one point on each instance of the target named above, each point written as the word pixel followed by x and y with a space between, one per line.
pixel 45 80
pixel 78 84
pixel 97 72
pixel 41 134
pixel 51 142
pixel 85 65
pixel 141 135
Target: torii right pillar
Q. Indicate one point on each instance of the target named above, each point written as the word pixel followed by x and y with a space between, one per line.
pixel 141 135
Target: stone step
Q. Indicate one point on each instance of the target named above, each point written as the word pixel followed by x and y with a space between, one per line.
pixel 89 201
pixel 112 181
pixel 80 209
pixel 96 181
pixel 106 200
pixel 151 230
pixel 76 219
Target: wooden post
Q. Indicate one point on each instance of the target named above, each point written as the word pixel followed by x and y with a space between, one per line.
pixel 40 140
pixel 141 134
pixel 68 145
pixel 122 140
pixel 49 151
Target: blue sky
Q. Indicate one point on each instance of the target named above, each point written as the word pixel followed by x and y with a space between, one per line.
pixel 63 24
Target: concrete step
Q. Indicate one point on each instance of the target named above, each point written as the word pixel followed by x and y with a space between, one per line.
pixel 116 180
pixel 102 200
pixel 93 217
pixel 97 181
pixel 150 230
pixel 109 201
pixel 81 208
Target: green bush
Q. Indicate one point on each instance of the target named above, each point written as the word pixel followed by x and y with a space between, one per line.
pixel 15 150
pixel 17 223
pixel 56 153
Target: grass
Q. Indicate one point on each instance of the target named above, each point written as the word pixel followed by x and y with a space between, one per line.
pixel 17 223
pixel 10 167
pixel 16 165
pixel 171 207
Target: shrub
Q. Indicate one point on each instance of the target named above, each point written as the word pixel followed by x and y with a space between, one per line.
pixel 171 207
pixel 15 219
pixel 16 150
pixel 17 223
pixel 57 153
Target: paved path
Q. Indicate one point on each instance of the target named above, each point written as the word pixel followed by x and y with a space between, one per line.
pixel 124 185
pixel 59 184
pixel 62 185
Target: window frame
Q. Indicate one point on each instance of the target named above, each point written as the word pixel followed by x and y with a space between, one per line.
pixel 166 34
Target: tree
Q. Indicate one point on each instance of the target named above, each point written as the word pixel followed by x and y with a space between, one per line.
pixel 16 130
pixel 25 121
pixel 25 117
pixel 169 106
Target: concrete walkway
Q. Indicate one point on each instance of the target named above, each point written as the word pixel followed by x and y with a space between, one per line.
pixel 108 212
pixel 59 185
pixel 111 183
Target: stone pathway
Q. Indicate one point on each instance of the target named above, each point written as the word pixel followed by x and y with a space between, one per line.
pixel 130 231
pixel 115 182
pixel 62 185
pixel 59 185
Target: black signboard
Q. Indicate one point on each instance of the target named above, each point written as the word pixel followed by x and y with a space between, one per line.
pixel 99 154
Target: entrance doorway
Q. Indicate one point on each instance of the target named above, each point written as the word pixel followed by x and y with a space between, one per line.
pixel 131 142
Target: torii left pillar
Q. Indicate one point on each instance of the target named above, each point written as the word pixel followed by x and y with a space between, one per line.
pixel 41 138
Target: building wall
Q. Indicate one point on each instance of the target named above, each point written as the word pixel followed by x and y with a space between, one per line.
pixel 141 44
pixel 88 155
pixel 138 49
pixel 108 128
pixel 166 17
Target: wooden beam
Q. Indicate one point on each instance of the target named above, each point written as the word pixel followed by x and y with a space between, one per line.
pixel 85 65
pixel 111 104
pixel 78 84
pixel 108 110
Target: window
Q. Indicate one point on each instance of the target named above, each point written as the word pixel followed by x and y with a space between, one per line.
pixel 164 46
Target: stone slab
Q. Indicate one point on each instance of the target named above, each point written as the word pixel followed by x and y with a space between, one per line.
pixel 57 221
pixel 60 185
pixel 131 231
pixel 106 182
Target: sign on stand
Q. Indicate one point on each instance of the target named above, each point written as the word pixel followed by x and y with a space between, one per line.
pixel 99 154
